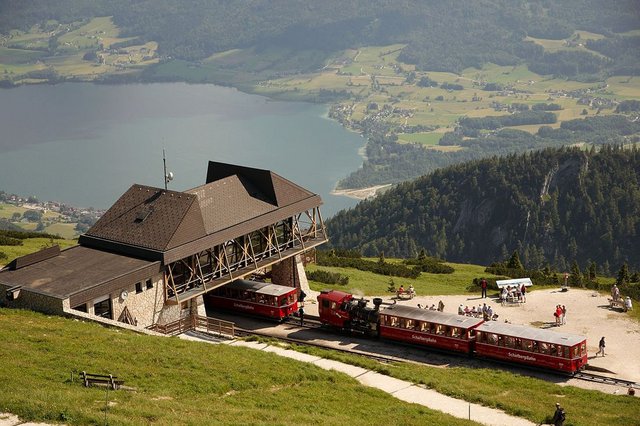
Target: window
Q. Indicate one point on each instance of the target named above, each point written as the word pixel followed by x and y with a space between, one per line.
pixel 81 308
pixel 492 339
pixel 103 308
pixel 149 284
pixel 455 332
pixel 138 288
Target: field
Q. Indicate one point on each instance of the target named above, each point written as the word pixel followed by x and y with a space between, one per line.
pixel 370 284
pixel 32 56
pixel 52 221
pixel 176 381
pixel 31 245
pixel 183 382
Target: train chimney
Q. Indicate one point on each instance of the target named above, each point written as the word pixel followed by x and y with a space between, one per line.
pixel 377 301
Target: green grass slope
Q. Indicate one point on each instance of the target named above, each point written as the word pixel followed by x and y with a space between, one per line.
pixel 176 381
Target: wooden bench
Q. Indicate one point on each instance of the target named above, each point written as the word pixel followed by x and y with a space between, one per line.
pixel 617 304
pixel 109 380
pixel 405 295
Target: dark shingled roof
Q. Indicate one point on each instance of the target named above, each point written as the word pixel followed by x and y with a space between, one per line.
pixel 151 222
pixel 76 270
pixel 150 218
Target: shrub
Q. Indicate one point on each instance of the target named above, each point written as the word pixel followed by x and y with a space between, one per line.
pixel 8 241
pixel 431 265
pixel 377 267
pixel 328 277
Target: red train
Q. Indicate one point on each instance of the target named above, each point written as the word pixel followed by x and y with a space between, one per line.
pixel 514 343
pixel 257 298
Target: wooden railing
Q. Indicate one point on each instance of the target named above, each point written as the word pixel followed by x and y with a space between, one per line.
pixel 193 322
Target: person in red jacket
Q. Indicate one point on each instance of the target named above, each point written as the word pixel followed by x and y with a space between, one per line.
pixel 483 286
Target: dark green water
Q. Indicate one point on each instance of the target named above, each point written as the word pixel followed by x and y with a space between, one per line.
pixel 85 144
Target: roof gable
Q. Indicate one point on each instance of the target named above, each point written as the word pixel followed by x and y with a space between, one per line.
pixel 268 185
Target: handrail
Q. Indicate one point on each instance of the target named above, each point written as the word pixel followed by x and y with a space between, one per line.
pixel 193 322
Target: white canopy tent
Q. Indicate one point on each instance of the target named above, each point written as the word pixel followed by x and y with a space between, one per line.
pixel 517 282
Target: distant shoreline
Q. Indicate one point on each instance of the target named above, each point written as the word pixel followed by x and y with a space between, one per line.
pixel 361 193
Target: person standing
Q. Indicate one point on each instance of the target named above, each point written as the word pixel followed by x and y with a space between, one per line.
pixel 601 347
pixel 564 315
pixel 523 293
pixel 559 416
pixel 483 286
pixel 301 313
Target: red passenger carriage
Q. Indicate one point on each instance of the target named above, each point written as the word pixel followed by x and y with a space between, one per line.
pixel 533 346
pixel 257 298
pixel 428 328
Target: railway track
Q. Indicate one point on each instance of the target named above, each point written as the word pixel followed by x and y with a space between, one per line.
pixel 312 323
pixel 240 332
pixel 604 379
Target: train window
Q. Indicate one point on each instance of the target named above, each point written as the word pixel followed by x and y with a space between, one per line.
pixel 424 327
pixel 527 345
pixel 393 321
pixel 544 348
pixel 576 352
pixel 583 349
pixel 440 329
pixel 410 324
pixel 383 320
pixel 481 337
pixel 492 339
pixel 455 331
pixel 509 342
pixel 517 343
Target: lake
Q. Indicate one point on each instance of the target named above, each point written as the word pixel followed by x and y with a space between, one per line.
pixel 85 144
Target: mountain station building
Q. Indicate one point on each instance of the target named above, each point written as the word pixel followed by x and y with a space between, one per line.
pixel 154 254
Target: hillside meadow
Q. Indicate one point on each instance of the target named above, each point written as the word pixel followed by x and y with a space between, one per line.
pixel 183 382
pixel 176 381
pixel 370 284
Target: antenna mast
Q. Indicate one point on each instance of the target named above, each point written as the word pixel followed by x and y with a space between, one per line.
pixel 168 177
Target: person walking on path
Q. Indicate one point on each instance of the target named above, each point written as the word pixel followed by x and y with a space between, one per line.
pixel 601 347
pixel 559 416
pixel 301 313
pixel 483 286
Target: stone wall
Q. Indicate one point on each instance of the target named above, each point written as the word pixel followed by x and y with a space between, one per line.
pixel 34 301
pixel 144 306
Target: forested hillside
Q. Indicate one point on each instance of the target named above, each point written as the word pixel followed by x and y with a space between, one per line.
pixel 494 30
pixel 554 206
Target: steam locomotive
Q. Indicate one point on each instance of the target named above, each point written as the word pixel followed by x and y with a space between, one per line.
pixel 456 333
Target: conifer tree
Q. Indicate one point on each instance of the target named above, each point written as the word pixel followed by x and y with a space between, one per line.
pixel 514 261
pixel 593 270
pixel 623 275
pixel 576 276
